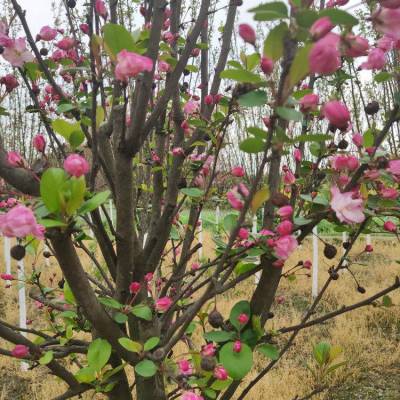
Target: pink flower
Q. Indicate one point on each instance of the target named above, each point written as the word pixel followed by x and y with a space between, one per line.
pixel 372 174
pixel 266 232
pixel 209 100
pixel 247 33
pixel 191 396
pixel 17 54
pixel 185 367
pixel 10 82
pixel 297 155
pixel 376 60
pixel 321 27
pixel 20 222
pixel 267 65
pixel 208 350
pixel 66 43
pixel 243 234
pixel 148 277
pixel 163 304
pixel 234 201
pixel 347 209
pixel 220 373
pixel 285 212
pixel 5 41
pixel 101 9
pixel 385 43
pixel 389 193
pixel 163 66
pixel 178 151
pixel 309 102
pixel 7 277
pixel 352 163
pixel 357 139
pixel 266 121
pixel 15 159
pixel 238 172
pixel 386 21
pixel 84 28
pixel 307 264
pixel 394 167
pixel 324 57
pixel 134 287
pixel 337 114
pixel 285 228
pixel 289 178
pixel 76 165
pixel 369 248
pixel 130 64
pixel 342 162
pixel 47 34
pixel 39 143
pixel 195 266
pixel 285 246
pixel 20 351
pixel 356 46
pixel 237 346
pixel 191 107
pixel 243 319
pixel 390 226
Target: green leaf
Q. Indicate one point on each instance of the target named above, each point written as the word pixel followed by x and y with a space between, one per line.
pixel 210 394
pixel 96 201
pixel 192 192
pixel 238 365
pixel 68 295
pixel 76 139
pixel 339 17
pixel 299 221
pixel 290 114
pixel 221 385
pixel 243 267
pixel 253 99
pixel 46 358
pixel 146 368
pixel 117 38
pixel 300 67
pixel 65 107
pixel 257 132
pixel 130 345
pixel 242 307
pixel 368 139
pixel 142 311
pixel 109 302
pixel 240 75
pixel 259 198
pixel 219 336
pixel 387 301
pixel 151 343
pixel 252 145
pixel 51 223
pixel 321 352
pixel 273 45
pixel 99 353
pixel 75 189
pixel 86 375
pixel 305 18
pixel 120 318
pixel 51 188
pixel 230 221
pixel 270 11
pixel 383 76
pixel 65 128
pixel 319 137
pixel 269 350
pixel 252 61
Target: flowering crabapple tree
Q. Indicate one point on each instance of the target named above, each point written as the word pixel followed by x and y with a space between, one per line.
pixel 143 116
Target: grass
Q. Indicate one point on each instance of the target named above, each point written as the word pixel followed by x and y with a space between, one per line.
pixel 370 337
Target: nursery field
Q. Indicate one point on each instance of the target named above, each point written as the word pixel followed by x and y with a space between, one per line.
pixel 369 337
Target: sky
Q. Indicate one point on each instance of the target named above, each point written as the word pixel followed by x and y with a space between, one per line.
pixel 38 12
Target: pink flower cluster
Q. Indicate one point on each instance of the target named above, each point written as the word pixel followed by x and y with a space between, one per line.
pixel 130 64
pixel 237 195
pixel 347 206
pixel 20 222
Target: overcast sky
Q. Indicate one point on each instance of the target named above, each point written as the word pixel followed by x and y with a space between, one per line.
pixel 39 12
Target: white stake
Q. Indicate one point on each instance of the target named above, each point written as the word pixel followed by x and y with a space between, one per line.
pixel 111 207
pixel 368 240
pixel 314 291
pixel 217 215
pixel 200 252
pixel 22 304
pixel 7 257
pixel 145 239
pixel 254 228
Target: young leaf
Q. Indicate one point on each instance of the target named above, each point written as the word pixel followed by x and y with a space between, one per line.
pixel 51 188
pixel 96 201
pixel 252 145
pixel 116 39
pixel 290 114
pixel 259 198
pixel 86 375
pixel 270 11
pixel 240 75
pixel 269 350
pixel 99 353
pixel 130 345
pixel 300 66
pixel 238 365
pixel 273 45
pixel 142 311
pixel 253 99
pixel 146 368
pixel 151 343
pixel 241 307
pixel 46 358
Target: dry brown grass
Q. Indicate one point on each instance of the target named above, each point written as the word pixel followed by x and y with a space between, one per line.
pixel 370 336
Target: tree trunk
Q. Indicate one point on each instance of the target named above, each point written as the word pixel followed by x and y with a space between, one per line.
pixel 150 388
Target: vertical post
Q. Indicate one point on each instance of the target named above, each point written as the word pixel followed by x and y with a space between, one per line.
pixel 314 290
pixel 368 240
pixel 7 256
pixel 344 240
pixel 254 228
pixel 111 207
pixel 200 252
pixel 22 303
pixel 217 215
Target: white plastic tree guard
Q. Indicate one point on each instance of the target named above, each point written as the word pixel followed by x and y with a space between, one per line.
pixel 200 227
pixel 7 256
pixel 22 303
pixel 368 240
pixel 254 227
pixel 217 215
pixel 314 289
